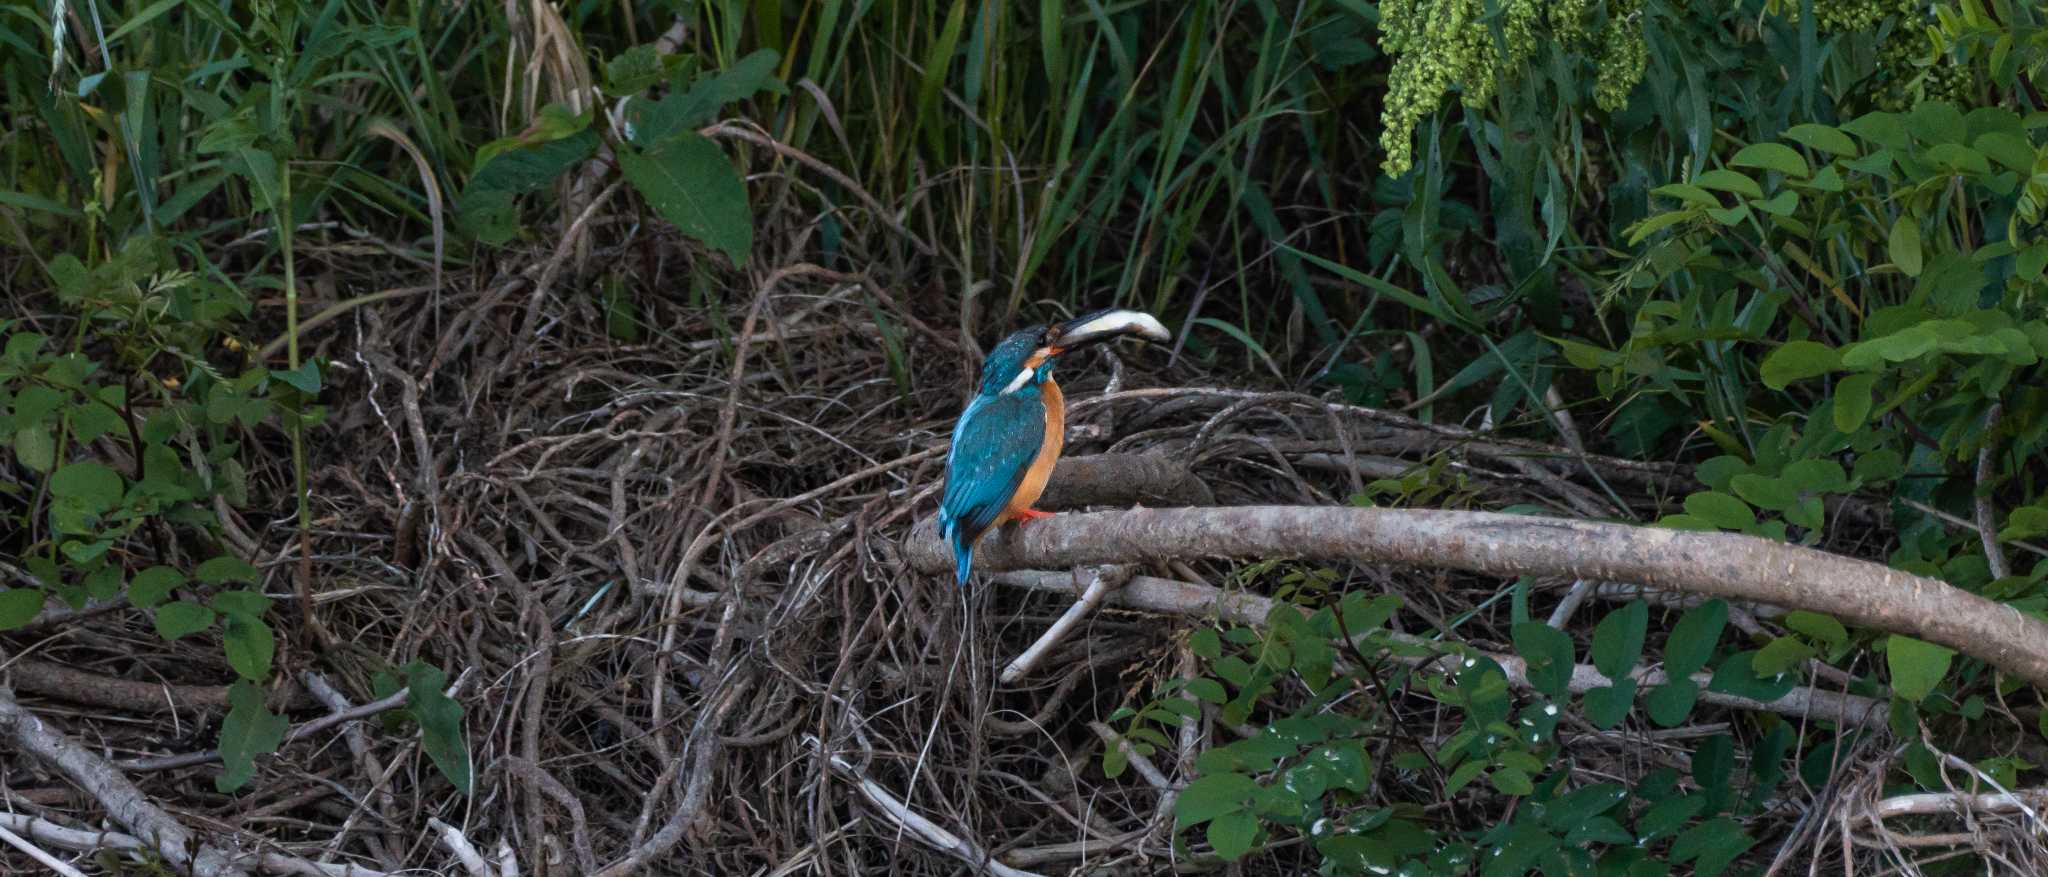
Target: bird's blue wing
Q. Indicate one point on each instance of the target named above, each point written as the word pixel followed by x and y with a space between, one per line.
pixel 993 446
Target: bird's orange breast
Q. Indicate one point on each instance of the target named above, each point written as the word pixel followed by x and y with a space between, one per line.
pixel 1040 471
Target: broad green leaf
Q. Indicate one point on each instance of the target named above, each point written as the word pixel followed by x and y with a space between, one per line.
pixel 440 719
pixel 1512 781
pixel 1231 834
pixel 1687 193
pixel 1606 707
pixel 1711 846
pixel 226 568
pixel 1904 242
pixel 691 183
pixel 1618 639
pixel 35 447
pixel 1852 401
pixel 1823 139
pixel 1207 690
pixel 1916 666
pixel 1205 644
pixel 1212 795
pixel 249 730
pixel 1773 156
pixel 1780 655
pixel 1729 181
pixel 153 585
pixel 1821 628
pixel 1766 493
pixel 87 482
pixel 174 620
pixel 19 606
pixel 249 643
pixel 1694 638
pixel 1548 652
pixel 306 379
pixel 1720 509
pixel 649 124
pixel 1795 360
pixel 1737 675
pixel 1669 705
pixel 632 71
pixel 1815 475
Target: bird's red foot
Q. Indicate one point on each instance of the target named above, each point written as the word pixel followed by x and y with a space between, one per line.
pixel 1032 515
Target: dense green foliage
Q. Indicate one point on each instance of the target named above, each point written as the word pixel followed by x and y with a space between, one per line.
pixel 1804 253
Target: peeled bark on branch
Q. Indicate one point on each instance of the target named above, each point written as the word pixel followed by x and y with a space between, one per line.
pixel 1124 480
pixel 1726 565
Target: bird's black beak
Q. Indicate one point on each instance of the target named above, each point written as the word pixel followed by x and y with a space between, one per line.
pixel 1103 326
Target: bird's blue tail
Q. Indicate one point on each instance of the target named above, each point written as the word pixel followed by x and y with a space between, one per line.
pixel 963 552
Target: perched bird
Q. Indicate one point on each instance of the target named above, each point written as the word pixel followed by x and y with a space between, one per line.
pixel 1010 435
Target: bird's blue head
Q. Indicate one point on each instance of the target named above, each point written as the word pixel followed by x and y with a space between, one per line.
pixel 1025 358
pixel 1022 360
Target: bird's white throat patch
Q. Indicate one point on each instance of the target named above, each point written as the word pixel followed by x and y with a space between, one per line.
pixel 1018 382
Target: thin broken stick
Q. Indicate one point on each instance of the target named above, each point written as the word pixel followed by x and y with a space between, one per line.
pixel 1101 581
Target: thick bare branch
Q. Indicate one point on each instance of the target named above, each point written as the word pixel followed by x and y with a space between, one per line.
pixel 1719 564
pixel 1124 480
pixel 124 802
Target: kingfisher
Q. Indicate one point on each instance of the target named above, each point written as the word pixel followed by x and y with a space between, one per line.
pixel 1010 435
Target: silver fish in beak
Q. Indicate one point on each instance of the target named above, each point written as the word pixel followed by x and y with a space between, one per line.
pixel 1103 325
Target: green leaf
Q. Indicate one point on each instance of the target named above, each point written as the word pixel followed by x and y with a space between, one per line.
pixel 1823 138
pixel 1205 644
pixel 1729 181
pixel 1512 781
pixel 1738 676
pixel 1669 704
pixel 1687 193
pixel 19 606
pixel 1607 706
pixel 1773 156
pixel 174 620
pixel 153 585
pixel 1618 639
pixel 1721 510
pixel 1548 652
pixel 35 447
pixel 1766 493
pixel 1207 690
pixel 1693 639
pixel 226 568
pixel 440 719
pixel 632 71
pixel 93 484
pixel 305 378
pixel 1711 846
pixel 691 183
pixel 1780 655
pixel 485 208
pixel 1795 360
pixel 651 123
pixel 249 643
pixel 1821 628
pixel 1904 242
pixel 1231 834
pixel 1852 401
pixel 1212 795
pixel 249 730
pixel 1916 666
pixel 250 603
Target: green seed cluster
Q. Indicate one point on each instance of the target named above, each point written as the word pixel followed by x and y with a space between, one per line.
pixel 1441 44
pixel 1623 57
pixel 1903 81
